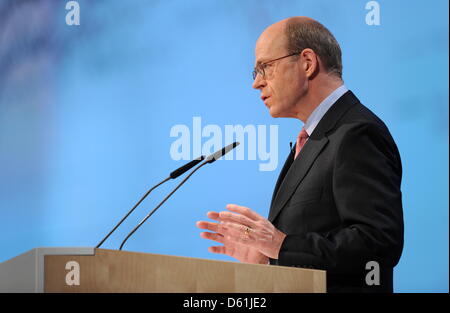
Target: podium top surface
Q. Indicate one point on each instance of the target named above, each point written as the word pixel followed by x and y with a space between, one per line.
pixel 45 270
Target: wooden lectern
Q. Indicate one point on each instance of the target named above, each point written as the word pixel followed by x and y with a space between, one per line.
pixel 100 270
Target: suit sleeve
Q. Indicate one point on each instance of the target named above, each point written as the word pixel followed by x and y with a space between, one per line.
pixel 366 190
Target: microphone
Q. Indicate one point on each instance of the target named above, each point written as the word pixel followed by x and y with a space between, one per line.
pixel 178 172
pixel 218 154
pixel 210 159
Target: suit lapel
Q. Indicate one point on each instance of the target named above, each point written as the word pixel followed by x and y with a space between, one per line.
pixel 296 173
pixel 287 165
pixel 292 175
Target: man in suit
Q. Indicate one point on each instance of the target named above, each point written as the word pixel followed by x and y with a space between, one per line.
pixel 337 204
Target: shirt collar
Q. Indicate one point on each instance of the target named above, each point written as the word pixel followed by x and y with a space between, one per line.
pixel 322 108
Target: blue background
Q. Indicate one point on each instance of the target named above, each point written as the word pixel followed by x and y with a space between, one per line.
pixel 86 113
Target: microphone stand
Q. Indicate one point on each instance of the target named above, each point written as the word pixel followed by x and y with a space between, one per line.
pixel 179 171
pixel 161 203
pixel 135 206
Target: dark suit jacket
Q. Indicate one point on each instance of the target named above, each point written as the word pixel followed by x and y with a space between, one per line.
pixel 339 202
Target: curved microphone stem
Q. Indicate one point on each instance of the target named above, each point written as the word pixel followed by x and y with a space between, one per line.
pixel 135 206
pixel 161 203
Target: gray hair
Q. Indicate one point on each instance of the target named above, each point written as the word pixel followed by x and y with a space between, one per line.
pixel 311 34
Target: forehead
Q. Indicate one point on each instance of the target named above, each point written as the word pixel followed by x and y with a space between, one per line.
pixel 271 44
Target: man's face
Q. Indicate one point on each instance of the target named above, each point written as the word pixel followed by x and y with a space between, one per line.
pixel 284 83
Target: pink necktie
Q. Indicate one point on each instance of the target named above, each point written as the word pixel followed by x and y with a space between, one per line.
pixel 301 140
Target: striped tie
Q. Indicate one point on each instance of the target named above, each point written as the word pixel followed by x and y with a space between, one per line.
pixel 301 140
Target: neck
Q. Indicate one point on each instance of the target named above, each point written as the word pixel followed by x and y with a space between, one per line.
pixel 318 89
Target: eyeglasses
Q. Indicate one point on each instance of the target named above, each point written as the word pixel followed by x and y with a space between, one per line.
pixel 260 68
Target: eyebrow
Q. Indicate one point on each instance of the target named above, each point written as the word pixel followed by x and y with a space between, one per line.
pixel 264 60
pixel 260 62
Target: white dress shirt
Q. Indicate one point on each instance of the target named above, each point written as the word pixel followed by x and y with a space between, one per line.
pixel 322 108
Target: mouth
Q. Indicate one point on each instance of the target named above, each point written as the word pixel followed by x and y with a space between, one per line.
pixel 264 99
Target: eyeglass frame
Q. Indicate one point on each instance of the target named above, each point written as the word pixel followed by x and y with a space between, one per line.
pixel 259 69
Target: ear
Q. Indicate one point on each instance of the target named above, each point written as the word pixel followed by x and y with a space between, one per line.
pixel 310 62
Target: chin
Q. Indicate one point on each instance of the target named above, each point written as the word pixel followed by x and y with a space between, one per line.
pixel 275 113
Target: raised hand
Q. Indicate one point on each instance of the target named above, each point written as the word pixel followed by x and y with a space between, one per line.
pixel 248 228
pixel 240 252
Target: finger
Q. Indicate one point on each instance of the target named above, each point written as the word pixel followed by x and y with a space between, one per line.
pixel 212 236
pixel 217 249
pixel 237 231
pixel 242 239
pixel 213 215
pixel 245 211
pixel 237 218
pixel 214 227
pixel 208 226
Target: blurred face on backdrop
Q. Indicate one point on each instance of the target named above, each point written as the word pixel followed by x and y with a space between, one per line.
pixel 282 82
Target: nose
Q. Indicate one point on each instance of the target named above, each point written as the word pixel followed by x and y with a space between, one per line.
pixel 259 82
